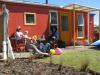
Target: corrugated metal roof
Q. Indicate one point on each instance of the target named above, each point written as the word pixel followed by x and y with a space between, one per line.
pixel 78 7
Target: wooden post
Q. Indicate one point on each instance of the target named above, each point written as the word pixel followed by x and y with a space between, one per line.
pixel 88 38
pixel 74 23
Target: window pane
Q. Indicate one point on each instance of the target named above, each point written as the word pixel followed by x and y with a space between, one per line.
pixel 53 18
pixel 29 18
pixel 80 31
pixel 80 20
pixel 80 26
pixel 64 20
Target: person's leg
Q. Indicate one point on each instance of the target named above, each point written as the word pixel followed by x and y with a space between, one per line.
pixel 36 49
pixel 47 47
pixel 42 47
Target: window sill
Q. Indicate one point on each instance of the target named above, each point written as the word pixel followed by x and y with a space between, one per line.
pixel 30 24
pixel 80 37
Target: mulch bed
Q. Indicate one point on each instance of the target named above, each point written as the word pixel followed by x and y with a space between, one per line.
pixel 26 67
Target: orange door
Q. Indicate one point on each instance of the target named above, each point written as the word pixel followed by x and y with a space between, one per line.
pixel 65 27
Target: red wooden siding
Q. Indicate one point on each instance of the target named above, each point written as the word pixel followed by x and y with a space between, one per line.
pixel 16 17
pixel 91 28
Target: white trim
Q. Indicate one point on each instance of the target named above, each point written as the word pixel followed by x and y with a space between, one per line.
pixel 25 18
pixel 81 25
pixel 80 37
pixel 4 50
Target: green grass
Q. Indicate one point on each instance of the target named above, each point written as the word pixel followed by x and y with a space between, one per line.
pixel 74 58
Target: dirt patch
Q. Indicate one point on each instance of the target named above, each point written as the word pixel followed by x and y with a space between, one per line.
pixel 25 67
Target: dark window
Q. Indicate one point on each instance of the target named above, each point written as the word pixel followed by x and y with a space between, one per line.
pixel 29 18
pixel 80 26
pixel 80 31
pixel 53 18
pixel 64 20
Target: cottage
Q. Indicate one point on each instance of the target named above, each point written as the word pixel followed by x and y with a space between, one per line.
pixel 73 22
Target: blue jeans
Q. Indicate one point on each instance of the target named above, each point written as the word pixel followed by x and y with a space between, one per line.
pixel 44 48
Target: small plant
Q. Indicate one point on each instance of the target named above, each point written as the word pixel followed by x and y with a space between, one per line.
pixel 60 64
pixel 8 62
pixel 51 60
pixel 84 65
pixel 30 59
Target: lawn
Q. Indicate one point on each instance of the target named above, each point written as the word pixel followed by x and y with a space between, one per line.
pixel 74 58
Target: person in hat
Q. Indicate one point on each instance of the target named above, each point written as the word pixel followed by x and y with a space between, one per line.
pixel 18 34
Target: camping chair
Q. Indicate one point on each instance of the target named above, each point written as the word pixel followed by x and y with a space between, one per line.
pixel 20 45
pixel 17 45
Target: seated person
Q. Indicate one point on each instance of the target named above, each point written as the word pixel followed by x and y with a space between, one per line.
pixel 25 36
pixel 31 44
pixel 19 41
pixel 43 38
pixel 54 33
pixel 18 34
pixel 52 39
pixel 35 37
pixel 44 46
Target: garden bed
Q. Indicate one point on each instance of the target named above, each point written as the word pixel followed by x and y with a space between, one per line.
pixel 26 67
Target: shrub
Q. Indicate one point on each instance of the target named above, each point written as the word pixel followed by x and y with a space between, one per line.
pixel 61 44
pixel 84 65
pixel 78 43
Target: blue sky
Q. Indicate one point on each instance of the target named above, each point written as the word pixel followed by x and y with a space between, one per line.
pixel 91 3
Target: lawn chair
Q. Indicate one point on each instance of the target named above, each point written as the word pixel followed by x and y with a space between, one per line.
pixel 18 46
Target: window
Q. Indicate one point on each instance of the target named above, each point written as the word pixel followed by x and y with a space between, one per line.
pixel 64 20
pixel 53 21
pixel 30 18
pixel 53 18
pixel 80 26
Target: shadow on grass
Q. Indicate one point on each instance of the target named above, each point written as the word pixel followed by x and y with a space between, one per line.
pixel 95 48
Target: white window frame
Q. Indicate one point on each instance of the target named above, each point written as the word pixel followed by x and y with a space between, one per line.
pixel 25 18
pixel 50 17
pixel 80 25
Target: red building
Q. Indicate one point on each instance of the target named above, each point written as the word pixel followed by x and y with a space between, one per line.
pixel 73 22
